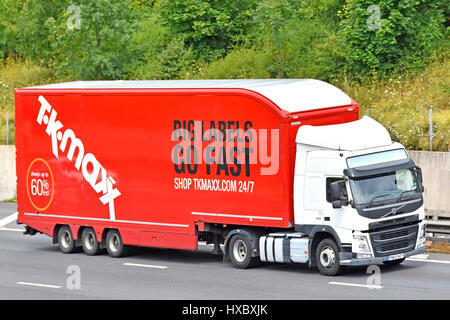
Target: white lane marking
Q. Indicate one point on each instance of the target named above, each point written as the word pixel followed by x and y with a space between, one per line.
pixel 144 265
pixel 8 219
pixel 38 285
pixel 419 256
pixel 427 260
pixel 12 229
pixel 356 285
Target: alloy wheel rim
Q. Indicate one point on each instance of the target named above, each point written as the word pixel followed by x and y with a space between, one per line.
pixel 114 243
pixel 66 239
pixel 89 241
pixel 240 250
pixel 327 258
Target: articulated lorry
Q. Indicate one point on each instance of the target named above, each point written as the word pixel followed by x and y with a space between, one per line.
pixel 279 171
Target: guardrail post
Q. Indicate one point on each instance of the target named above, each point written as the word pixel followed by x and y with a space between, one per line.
pixel 431 129
pixel 7 128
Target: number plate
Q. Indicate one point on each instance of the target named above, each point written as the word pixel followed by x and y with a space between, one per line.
pixel 395 257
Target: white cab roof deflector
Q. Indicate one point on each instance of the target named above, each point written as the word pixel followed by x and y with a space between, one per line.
pixel 356 135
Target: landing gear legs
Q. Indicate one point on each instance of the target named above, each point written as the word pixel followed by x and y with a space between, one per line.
pixel 217 250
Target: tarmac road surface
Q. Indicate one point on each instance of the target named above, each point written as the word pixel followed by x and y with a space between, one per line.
pixel 32 268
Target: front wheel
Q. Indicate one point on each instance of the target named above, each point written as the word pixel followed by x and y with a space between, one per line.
pixel 327 258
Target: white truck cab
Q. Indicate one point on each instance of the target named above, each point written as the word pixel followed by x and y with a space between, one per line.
pixel 357 198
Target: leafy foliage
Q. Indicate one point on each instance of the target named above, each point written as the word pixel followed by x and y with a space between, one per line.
pixel 239 64
pixel 210 27
pixel 95 47
pixel 406 29
pixel 9 10
pixel 389 54
pixel 33 35
pixel 16 74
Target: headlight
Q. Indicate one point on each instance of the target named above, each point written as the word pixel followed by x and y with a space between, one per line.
pixel 360 244
pixel 422 233
pixel 421 237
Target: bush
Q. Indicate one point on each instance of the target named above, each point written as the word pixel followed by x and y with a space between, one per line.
pixel 379 38
pixel 96 48
pixel 306 49
pixel 9 11
pixel 210 27
pixel 156 52
pixel 402 105
pixel 170 63
pixel 33 35
pixel 299 38
pixel 81 40
pixel 16 74
pixel 238 64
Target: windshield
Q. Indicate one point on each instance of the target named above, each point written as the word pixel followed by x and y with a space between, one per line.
pixel 386 186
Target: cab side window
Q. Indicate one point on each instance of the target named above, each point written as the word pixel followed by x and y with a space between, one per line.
pixel 328 191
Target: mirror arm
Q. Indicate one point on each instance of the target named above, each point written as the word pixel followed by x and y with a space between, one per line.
pixel 337 204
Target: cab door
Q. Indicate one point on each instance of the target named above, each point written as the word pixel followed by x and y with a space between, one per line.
pixel 338 218
pixel 314 195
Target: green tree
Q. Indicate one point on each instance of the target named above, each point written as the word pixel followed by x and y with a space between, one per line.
pixel 299 37
pixel 171 62
pixel 9 11
pixel 211 27
pixel 90 40
pixel 33 33
pixel 382 37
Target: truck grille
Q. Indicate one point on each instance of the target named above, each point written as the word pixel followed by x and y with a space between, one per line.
pixel 393 235
pixel 394 240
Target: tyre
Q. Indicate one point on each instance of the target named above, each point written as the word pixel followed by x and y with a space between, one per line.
pixel 240 252
pixel 66 242
pixel 114 244
pixel 89 242
pixel 327 258
pixel 393 262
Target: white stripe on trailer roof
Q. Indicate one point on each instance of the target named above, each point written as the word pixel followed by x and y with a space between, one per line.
pixel 292 95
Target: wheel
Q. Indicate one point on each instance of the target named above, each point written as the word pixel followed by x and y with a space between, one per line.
pixel 327 258
pixel 114 244
pixel 89 242
pixel 393 262
pixel 66 242
pixel 240 252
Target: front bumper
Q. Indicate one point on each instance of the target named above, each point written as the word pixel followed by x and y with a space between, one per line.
pixel 374 260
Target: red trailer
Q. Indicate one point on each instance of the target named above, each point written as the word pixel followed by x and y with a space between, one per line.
pixel 164 163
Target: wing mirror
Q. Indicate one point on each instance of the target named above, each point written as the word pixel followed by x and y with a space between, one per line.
pixel 418 171
pixel 338 194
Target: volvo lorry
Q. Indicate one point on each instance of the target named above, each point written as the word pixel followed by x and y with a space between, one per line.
pixel 280 171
